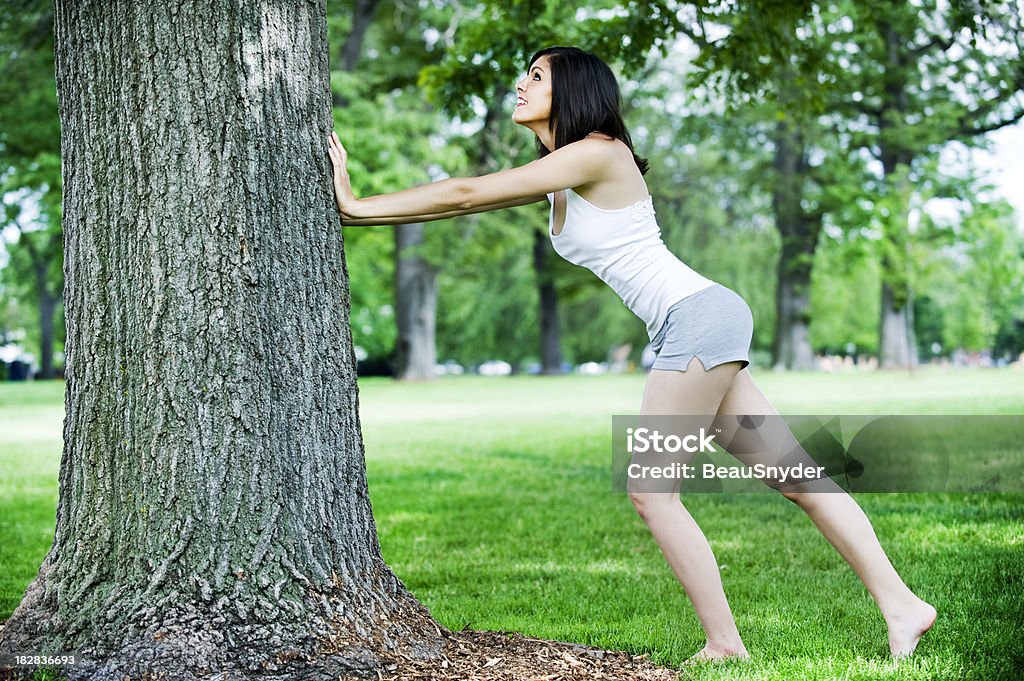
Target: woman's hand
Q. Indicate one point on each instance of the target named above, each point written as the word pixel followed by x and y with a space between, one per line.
pixel 342 183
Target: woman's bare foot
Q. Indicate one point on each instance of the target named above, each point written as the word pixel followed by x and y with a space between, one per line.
pixel 907 626
pixel 714 654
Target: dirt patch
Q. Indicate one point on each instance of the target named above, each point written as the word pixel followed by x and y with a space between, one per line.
pixel 503 656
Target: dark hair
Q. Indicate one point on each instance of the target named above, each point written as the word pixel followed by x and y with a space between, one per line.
pixel 584 98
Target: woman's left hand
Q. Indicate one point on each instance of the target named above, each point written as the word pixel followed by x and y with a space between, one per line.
pixel 342 183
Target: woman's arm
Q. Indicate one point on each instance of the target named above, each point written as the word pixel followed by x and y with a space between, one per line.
pixel 572 165
pixel 405 220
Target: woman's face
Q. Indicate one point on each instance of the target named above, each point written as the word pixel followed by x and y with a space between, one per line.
pixel 533 101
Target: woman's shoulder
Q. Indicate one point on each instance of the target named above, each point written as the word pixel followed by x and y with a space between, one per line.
pixel 612 146
pixel 603 149
pixel 600 140
pixel 590 152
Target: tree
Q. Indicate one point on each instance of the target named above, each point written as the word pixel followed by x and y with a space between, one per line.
pixel 896 81
pixel 984 258
pixel 489 56
pixel 547 298
pixel 415 278
pixel 34 268
pixel 787 120
pixel 30 165
pixel 213 511
pixel 415 306
pixel 501 143
pixel 923 76
pixel 393 140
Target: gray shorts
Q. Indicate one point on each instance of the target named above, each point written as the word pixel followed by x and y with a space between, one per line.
pixel 714 324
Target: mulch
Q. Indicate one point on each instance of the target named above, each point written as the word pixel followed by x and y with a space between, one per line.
pixel 504 656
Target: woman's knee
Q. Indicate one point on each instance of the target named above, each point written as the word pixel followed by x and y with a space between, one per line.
pixel 797 497
pixel 650 504
pixel 809 494
pixel 806 500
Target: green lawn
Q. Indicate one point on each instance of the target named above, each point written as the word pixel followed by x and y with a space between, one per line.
pixel 492 502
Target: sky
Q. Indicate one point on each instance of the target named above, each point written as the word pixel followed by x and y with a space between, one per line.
pixel 1005 161
pixel 1001 165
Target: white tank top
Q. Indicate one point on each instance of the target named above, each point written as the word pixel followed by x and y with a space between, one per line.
pixel 623 247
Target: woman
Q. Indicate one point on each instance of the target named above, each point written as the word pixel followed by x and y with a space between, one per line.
pixel 602 218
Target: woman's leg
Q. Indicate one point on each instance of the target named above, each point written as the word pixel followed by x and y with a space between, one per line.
pixel 680 539
pixel 834 512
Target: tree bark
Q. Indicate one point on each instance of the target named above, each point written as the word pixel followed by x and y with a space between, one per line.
pixel 799 231
pixel 416 307
pixel 213 513
pixel 551 352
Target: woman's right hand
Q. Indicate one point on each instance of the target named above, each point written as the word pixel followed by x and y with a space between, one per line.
pixel 342 183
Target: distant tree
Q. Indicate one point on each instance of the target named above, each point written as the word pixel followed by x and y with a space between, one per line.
pixel 987 262
pixel 34 273
pixel 893 82
pixel 487 56
pixel 30 179
pixel 918 77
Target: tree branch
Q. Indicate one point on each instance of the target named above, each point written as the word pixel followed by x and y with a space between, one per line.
pixel 699 39
pixel 940 43
pixel 966 129
pixel 965 123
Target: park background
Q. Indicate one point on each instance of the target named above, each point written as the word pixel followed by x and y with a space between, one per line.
pixel 835 185
pixel 847 195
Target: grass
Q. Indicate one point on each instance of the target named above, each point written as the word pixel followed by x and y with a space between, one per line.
pixel 492 503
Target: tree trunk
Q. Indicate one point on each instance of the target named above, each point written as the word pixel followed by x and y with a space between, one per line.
pixel 47 308
pixel 40 260
pixel 792 348
pixel 362 17
pixel 213 512
pixel 416 306
pixel 547 294
pixel 799 231
pixel 897 347
pixel 352 49
pixel 551 353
